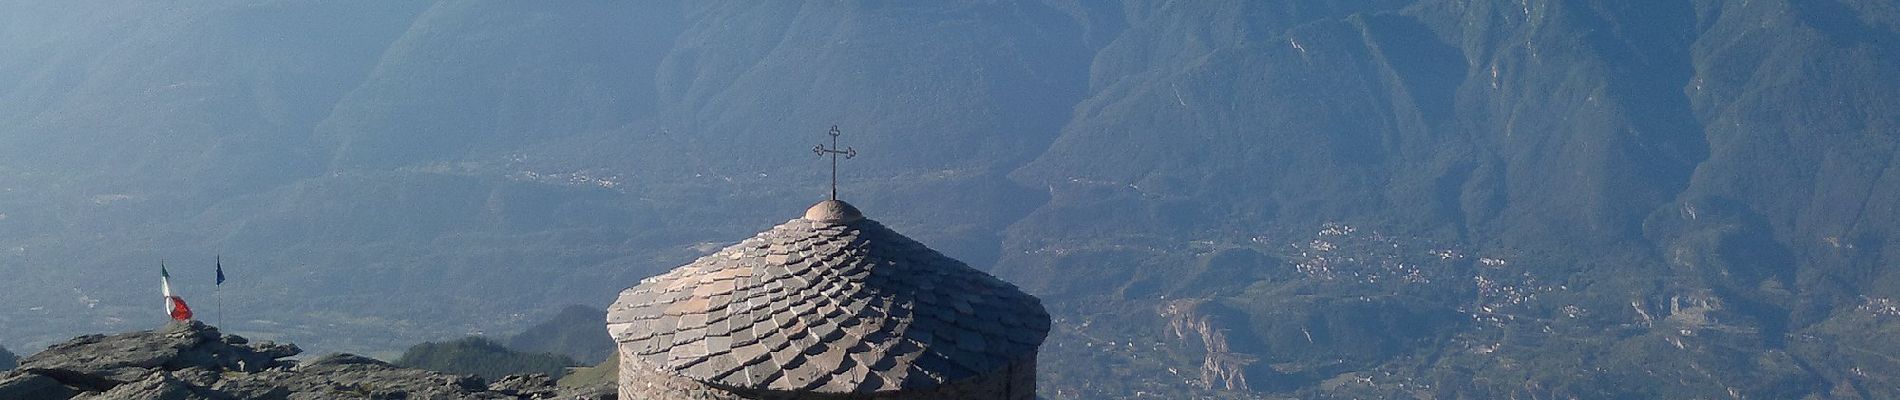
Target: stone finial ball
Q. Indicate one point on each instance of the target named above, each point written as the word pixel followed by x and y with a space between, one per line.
pixel 833 211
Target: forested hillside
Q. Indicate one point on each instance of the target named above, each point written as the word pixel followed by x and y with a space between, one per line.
pixel 1242 199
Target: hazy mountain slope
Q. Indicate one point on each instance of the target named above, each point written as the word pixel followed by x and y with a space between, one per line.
pixel 482 162
pixel 1568 137
pixel 939 99
pixel 158 91
pixel 123 121
pixel 1378 116
pixel 7 359
pixel 574 332
pixel 577 206
pixel 1792 216
pixel 1372 199
pixel 427 202
pixel 489 78
pixel 1015 64
pixel 475 355
pixel 1807 183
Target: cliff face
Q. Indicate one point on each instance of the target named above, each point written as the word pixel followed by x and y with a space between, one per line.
pixel 194 361
pixel 1223 367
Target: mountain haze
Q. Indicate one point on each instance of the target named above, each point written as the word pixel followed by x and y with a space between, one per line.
pixel 1315 198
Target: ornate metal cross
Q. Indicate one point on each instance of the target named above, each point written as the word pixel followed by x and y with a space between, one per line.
pixel 848 152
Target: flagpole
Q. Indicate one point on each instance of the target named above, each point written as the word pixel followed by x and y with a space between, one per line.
pixel 218 289
pixel 165 285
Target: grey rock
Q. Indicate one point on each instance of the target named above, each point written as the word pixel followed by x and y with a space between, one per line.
pixel 198 376
pixel 596 392
pixel 82 380
pixel 30 386
pixel 192 361
pixel 159 385
pixel 99 362
pixel 370 378
pixel 516 383
pixel 337 359
pixel 530 386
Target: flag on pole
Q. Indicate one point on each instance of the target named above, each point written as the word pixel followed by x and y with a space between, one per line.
pixel 218 288
pixel 179 310
pixel 174 305
pixel 165 285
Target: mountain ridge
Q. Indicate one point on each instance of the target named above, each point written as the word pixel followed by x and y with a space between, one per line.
pixel 1629 171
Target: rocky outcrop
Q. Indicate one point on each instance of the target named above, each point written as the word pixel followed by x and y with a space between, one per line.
pixel 1223 368
pixel 193 361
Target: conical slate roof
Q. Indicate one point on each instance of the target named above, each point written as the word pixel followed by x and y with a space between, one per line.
pixel 829 303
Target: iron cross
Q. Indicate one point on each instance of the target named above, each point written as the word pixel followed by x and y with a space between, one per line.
pixel 848 152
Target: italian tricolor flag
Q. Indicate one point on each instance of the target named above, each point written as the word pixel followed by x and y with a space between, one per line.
pixel 174 305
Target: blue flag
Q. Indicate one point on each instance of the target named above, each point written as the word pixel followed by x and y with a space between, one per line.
pixel 220 262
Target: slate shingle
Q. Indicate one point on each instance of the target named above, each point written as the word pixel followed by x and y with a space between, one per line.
pixel 828 304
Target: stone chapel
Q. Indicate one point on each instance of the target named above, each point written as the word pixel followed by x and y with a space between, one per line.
pixel 829 306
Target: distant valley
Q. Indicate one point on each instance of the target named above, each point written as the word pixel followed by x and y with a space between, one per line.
pixel 1228 200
